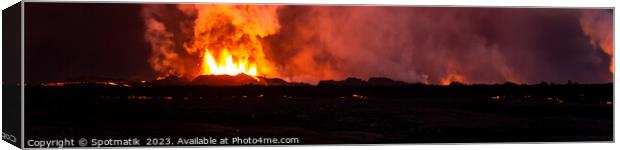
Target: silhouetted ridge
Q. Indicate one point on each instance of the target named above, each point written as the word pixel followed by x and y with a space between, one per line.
pixel 226 80
pixel 373 81
pixel 381 81
pixel 240 80
pixel 170 80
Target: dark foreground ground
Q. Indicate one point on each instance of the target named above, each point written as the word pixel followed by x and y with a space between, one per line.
pixel 325 115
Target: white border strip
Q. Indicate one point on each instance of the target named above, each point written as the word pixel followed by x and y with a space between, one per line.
pixel 23 78
pixel 483 3
pixel 517 3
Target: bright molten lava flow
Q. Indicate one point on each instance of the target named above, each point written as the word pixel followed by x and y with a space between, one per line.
pixel 227 64
pixel 217 39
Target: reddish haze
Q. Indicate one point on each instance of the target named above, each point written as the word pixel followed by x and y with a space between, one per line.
pixel 413 44
pixel 225 39
pixel 598 25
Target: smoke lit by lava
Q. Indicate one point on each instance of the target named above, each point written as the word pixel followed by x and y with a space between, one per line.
pixel 413 44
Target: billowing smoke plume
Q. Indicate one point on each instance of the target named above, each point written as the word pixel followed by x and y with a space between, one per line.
pixel 430 45
pixel 182 36
pixel 598 25
pixel 167 57
pixel 413 44
pixel 438 45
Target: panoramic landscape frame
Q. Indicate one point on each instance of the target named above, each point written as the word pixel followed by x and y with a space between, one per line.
pixel 260 78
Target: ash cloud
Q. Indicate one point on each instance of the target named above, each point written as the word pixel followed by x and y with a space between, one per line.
pixel 598 25
pixel 167 28
pixel 439 45
pixel 413 44
pixel 180 35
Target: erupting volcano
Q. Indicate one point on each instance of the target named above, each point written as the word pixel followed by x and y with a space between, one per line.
pixel 229 38
pixel 215 39
pixel 310 44
pixel 324 74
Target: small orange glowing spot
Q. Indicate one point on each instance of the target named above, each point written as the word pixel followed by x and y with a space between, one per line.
pixel 59 83
pixel 452 78
pixel 359 97
pixel 143 97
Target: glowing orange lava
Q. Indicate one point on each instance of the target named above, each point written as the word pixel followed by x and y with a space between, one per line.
pixel 227 64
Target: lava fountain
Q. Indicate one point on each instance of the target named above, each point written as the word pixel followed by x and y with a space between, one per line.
pixel 211 39
pixel 227 64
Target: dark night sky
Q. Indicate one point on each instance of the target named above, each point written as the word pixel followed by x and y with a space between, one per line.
pixel 65 41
